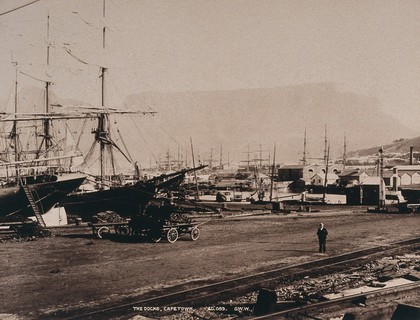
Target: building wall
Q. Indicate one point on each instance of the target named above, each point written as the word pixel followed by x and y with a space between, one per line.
pixel 290 174
pixel 405 179
pixel 415 178
pixel 306 172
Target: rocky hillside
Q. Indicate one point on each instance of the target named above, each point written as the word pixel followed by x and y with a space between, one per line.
pixel 397 152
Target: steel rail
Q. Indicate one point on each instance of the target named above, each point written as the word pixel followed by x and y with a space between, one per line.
pixel 324 305
pixel 243 284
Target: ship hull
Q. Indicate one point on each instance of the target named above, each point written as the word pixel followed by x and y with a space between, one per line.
pixel 124 200
pixel 14 203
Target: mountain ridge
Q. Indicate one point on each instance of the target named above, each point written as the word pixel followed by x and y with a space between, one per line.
pixel 279 114
pixel 258 117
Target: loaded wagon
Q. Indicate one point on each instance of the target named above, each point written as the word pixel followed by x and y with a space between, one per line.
pixel 170 231
pixel 156 223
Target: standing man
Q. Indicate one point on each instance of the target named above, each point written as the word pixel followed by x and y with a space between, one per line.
pixel 322 237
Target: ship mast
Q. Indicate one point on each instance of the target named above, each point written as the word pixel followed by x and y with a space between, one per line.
pixel 247 162
pixel 326 174
pixel 46 141
pixel 47 86
pixel 345 150
pixel 102 119
pixel 14 135
pixel 325 147
pixel 304 149
pixel 195 173
pixel 221 157
pixel 272 173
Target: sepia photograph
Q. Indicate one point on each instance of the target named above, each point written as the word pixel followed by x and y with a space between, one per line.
pixel 210 159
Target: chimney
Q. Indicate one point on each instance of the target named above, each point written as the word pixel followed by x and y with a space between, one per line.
pixel 395 179
pixel 411 156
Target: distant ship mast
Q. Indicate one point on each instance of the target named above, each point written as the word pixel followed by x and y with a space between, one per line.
pixel 325 147
pixel 46 140
pixel 345 150
pixel 304 149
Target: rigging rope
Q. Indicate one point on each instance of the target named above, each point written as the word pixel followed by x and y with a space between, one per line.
pixel 78 59
pixel 34 77
pixel 144 140
pixel 17 8
pixel 125 146
pixel 171 136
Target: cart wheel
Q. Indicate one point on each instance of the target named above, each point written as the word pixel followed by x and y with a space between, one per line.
pixel 172 235
pixel 195 233
pixel 103 232
pixel 122 230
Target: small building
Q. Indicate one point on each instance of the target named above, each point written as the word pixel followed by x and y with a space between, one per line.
pixel 366 193
pixel 349 177
pixel 319 180
pixel 306 172
pixel 291 172
pixel 405 175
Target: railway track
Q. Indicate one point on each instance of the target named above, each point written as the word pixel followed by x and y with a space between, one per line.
pixel 311 311
pixel 220 291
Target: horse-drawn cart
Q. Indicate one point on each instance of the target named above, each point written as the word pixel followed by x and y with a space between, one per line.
pixel 150 230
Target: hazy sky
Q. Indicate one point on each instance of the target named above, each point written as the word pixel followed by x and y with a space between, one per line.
pixel 369 47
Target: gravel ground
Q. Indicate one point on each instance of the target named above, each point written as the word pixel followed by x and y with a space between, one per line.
pixel 73 270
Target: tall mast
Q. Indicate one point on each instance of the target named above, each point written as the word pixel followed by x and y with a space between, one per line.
pixel 345 150
pixel 325 146
pixel 272 173
pixel 14 134
pixel 195 173
pixel 47 124
pixel 304 149
pixel 228 160
pixel 168 158
pixel 102 117
pixel 179 159
pixel 326 173
pixel 211 158
pixel 221 156
pixel 48 40
pixel 247 163
pixel 104 27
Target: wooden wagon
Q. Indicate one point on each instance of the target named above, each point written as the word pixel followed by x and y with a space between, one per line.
pixel 151 230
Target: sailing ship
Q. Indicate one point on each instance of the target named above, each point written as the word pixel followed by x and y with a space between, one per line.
pixel 34 195
pixel 111 194
pixel 125 200
pixel 33 181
